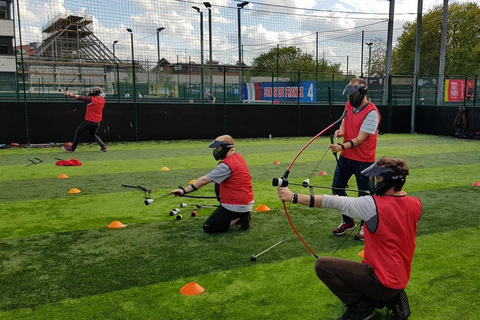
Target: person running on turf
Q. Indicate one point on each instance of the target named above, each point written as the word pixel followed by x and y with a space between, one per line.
pixel 391 227
pixel 233 185
pixel 95 100
pixel 359 132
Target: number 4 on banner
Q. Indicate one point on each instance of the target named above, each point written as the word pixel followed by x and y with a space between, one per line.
pixel 310 92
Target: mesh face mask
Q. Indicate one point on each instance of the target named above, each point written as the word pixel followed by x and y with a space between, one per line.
pixel 220 149
pixel 355 94
pixel 381 179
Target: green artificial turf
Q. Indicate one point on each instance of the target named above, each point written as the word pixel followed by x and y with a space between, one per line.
pixel 59 261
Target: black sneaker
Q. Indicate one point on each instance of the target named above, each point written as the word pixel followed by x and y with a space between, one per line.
pixel 244 221
pixel 362 311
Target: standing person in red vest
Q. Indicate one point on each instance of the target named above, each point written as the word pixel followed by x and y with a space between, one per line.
pixel 233 185
pixel 391 219
pixel 359 132
pixel 95 100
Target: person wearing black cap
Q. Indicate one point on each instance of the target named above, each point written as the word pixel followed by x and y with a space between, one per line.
pixel 359 132
pixel 391 219
pixel 233 185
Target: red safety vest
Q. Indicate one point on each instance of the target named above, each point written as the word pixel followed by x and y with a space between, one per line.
pixel 238 188
pixel 351 125
pixel 389 250
pixel 95 109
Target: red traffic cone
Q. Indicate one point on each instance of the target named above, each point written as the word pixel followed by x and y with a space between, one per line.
pixel 476 184
pixel 322 173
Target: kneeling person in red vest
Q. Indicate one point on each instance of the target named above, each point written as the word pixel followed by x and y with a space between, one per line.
pixel 95 100
pixel 391 219
pixel 233 185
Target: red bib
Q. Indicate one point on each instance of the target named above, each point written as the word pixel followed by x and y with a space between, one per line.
pixel 389 250
pixel 95 109
pixel 238 188
pixel 351 125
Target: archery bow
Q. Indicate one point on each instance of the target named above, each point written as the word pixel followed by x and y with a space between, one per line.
pixel 283 181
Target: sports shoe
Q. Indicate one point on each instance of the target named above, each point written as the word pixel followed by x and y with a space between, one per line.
pixel 344 227
pixel 358 311
pixel 104 149
pixel 244 221
pixel 68 149
pixel 360 235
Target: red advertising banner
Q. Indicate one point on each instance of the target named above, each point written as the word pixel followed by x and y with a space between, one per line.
pixel 455 90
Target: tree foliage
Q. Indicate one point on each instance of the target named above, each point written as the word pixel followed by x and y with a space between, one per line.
pixel 378 60
pixel 462 46
pixel 290 61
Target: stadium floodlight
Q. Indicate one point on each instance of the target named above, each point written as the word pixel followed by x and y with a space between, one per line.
pixel 240 58
pixel 243 4
pixel 196 8
pixel 207 4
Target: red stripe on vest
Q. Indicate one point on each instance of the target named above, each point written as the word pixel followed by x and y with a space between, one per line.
pixel 351 125
pixel 238 188
pixel 389 250
pixel 95 109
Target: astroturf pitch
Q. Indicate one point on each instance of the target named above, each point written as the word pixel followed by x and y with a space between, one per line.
pixel 58 259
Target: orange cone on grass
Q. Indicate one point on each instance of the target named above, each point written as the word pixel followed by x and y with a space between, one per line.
pixel 62 176
pixel 165 169
pixel 276 162
pixel 116 225
pixel 262 207
pixel 74 191
pixel 322 173
pixel 362 254
pixel 476 184
pixel 191 289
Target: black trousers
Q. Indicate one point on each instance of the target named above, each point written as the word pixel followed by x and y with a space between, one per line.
pixel 220 219
pixel 351 281
pixel 92 128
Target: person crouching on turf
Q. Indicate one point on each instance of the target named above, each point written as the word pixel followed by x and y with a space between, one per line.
pixel 95 100
pixel 233 185
pixel 391 219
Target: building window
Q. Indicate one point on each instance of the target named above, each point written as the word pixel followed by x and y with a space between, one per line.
pixel 6 45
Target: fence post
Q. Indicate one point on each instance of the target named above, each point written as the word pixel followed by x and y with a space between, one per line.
pixel 298 104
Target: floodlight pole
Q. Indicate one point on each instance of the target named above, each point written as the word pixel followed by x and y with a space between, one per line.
pixel 134 85
pixel 369 44
pixel 201 52
pixel 116 70
pixel 416 67
pixel 158 51
pixel 240 58
pixel 209 7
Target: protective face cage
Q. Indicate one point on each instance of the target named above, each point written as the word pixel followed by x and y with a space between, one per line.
pixel 381 179
pixel 220 149
pixel 355 93
pixel 94 91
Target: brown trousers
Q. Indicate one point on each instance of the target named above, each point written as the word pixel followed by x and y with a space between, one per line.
pixel 351 281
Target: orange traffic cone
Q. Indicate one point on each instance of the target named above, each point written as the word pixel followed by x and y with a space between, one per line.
pixel 262 207
pixel 191 289
pixel 165 169
pixel 362 254
pixel 116 225
pixel 275 162
pixel 192 181
pixel 322 173
pixel 476 184
pixel 74 191
pixel 62 176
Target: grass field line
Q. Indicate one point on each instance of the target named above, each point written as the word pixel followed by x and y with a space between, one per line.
pixel 259 291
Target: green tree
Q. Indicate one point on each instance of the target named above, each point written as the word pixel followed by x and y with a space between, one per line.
pixel 290 61
pixel 378 61
pixel 463 42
